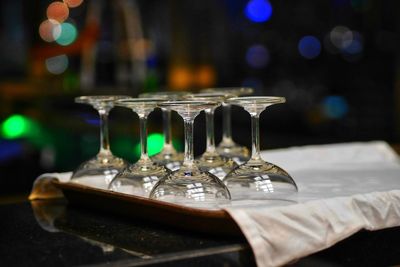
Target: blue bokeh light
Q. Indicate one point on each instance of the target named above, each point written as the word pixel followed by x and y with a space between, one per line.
pixel 309 47
pixel 257 56
pixel 335 107
pixel 354 48
pixel 10 149
pixel 258 10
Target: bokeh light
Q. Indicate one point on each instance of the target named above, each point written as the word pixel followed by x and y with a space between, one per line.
pixel 57 64
pixel 257 56
pixel 180 77
pixel 356 46
pixel 155 143
pixel 49 30
pixel 15 126
pixel 205 76
pixel 309 47
pixel 335 107
pixel 58 11
pixel 258 10
pixel 10 149
pixel 68 34
pixel 73 3
pixel 341 37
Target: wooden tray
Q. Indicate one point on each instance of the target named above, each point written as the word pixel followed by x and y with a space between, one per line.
pixel 206 221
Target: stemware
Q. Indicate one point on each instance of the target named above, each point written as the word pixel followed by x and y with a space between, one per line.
pixel 210 160
pixel 139 178
pixel 168 156
pixel 101 169
pixel 189 185
pixel 227 147
pixel 258 178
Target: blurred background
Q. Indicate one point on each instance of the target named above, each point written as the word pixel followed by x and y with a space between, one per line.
pixel 336 61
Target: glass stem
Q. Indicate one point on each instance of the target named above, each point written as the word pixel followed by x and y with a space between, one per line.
pixel 166 113
pixel 189 154
pixel 104 140
pixel 255 136
pixel 226 123
pixel 210 130
pixel 143 137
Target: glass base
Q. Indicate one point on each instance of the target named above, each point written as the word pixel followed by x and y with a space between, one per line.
pixel 231 150
pixel 138 179
pixel 215 164
pixel 99 171
pixel 191 187
pixel 260 180
pixel 171 159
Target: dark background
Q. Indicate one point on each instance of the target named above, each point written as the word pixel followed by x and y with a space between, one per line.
pixel 335 61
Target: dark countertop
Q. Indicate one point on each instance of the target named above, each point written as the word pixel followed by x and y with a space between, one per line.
pixel 69 236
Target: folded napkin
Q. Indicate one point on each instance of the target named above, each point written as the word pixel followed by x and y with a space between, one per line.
pixel 343 188
pixel 44 189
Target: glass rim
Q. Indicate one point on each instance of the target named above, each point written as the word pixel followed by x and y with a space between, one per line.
pixel 130 102
pixel 236 91
pixel 99 98
pixel 163 94
pixel 187 102
pixel 211 95
pixel 257 100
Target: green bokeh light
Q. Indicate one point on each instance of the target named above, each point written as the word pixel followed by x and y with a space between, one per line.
pixel 15 126
pixel 155 143
pixel 68 34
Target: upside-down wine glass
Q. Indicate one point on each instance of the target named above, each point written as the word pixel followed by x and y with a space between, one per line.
pixel 139 178
pixel 258 179
pixel 210 160
pixel 168 156
pixel 189 185
pixel 227 147
pixel 100 170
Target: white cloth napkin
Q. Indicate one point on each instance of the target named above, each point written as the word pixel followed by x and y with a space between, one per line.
pixel 343 188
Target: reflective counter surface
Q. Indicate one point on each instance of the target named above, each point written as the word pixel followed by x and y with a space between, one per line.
pixel 44 233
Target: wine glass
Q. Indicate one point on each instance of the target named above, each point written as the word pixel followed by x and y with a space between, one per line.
pixel 258 178
pixel 189 185
pixel 168 156
pixel 227 147
pixel 210 160
pixel 100 170
pixel 139 178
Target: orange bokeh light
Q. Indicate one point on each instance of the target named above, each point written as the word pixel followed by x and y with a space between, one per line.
pixel 205 76
pixel 180 77
pixel 58 11
pixel 73 3
pixel 49 30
